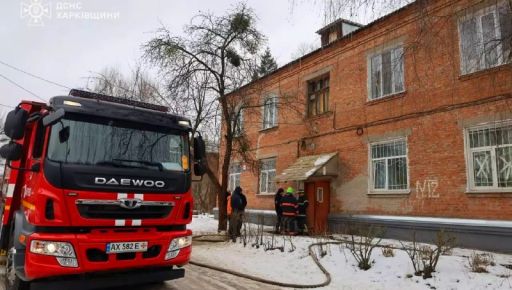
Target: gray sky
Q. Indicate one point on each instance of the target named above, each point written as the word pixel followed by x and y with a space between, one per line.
pixel 66 51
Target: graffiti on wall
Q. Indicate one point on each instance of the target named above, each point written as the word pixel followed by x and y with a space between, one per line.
pixel 427 188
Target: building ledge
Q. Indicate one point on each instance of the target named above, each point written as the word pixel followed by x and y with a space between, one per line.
pixel 483 72
pixel 391 97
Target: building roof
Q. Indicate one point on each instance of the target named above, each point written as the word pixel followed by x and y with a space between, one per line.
pixel 305 167
pixel 298 60
pixel 336 22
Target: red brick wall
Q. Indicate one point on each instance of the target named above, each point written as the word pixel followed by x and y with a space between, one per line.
pixel 435 140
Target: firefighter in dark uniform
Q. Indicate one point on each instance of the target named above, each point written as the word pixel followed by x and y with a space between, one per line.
pixel 289 208
pixel 302 203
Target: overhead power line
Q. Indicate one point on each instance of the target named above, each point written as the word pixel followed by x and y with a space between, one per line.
pixel 21 87
pixel 33 75
pixel 7 106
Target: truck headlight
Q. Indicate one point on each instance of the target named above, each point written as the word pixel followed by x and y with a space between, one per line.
pixel 64 251
pixel 176 245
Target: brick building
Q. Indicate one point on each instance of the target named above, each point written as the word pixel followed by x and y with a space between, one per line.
pixel 405 122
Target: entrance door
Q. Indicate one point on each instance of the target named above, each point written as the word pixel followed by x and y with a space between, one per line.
pixel 318 193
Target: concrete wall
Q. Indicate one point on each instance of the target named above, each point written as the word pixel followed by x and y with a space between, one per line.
pixel 469 233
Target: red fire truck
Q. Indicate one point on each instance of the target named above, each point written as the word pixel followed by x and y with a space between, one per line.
pixel 96 193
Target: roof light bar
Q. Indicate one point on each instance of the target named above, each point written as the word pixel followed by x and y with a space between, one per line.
pixel 106 98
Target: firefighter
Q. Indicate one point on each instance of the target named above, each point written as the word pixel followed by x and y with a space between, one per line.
pixel 279 211
pixel 289 208
pixel 302 203
pixel 238 204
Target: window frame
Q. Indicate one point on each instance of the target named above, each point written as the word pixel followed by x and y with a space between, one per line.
pixel 318 93
pixel 235 175
pixel 371 183
pixel 477 15
pixel 266 171
pixel 274 100
pixel 237 123
pixel 468 155
pixel 388 48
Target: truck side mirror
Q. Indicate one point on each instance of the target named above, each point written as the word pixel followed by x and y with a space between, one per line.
pixel 53 118
pixel 200 164
pixel 11 151
pixel 14 126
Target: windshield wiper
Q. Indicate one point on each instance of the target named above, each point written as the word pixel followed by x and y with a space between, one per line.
pixel 143 162
pixel 115 164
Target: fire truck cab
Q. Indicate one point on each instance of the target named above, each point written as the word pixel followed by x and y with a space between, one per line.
pixel 96 193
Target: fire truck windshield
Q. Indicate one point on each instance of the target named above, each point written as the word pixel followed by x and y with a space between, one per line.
pixel 88 140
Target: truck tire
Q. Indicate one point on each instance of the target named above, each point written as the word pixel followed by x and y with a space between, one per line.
pixel 11 280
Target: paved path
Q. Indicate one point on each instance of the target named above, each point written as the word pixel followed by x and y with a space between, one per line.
pixel 197 278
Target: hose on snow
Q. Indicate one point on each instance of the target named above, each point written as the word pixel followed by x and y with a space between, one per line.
pixel 312 254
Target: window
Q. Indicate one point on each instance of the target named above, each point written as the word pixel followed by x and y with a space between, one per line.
pixel 318 96
pixel 389 166
pixel 237 123
pixel 270 113
pixel 489 156
pixel 485 38
pixel 386 73
pixel 267 176
pixel 37 150
pixel 235 170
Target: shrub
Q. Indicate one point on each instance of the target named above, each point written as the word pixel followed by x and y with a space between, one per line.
pixel 478 262
pixel 428 255
pixel 362 246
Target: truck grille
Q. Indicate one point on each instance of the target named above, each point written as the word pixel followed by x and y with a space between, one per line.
pixel 111 209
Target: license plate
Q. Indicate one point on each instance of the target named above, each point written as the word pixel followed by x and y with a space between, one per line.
pixel 127 247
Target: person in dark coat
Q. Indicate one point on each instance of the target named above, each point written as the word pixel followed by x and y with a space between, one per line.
pixel 238 204
pixel 302 203
pixel 289 208
pixel 279 211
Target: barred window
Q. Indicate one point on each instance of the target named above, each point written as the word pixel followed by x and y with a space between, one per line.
pixel 267 176
pixel 235 171
pixel 490 156
pixel 389 166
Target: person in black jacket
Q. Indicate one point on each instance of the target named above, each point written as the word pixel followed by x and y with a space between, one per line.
pixel 289 208
pixel 238 204
pixel 302 203
pixel 279 211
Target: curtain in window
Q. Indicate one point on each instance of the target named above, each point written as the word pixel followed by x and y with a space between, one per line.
pixel 389 162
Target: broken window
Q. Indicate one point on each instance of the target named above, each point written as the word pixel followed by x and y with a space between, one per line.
pixel 318 96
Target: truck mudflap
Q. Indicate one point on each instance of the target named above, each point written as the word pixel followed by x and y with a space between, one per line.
pixel 108 279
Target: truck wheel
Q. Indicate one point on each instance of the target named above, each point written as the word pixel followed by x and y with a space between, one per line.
pixel 11 280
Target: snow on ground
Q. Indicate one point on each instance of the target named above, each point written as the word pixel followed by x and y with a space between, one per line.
pixel 386 273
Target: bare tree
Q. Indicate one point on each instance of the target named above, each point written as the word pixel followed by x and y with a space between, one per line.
pixel 220 52
pixel 303 49
pixel 136 85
